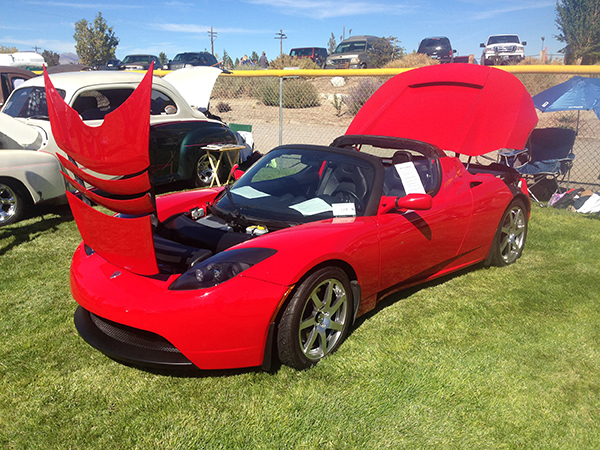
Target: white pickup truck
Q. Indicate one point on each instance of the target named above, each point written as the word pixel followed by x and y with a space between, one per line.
pixel 502 49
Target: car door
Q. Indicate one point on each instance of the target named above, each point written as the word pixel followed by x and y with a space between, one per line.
pixel 416 245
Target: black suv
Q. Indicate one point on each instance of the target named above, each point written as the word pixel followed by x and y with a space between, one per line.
pixel 187 59
pixel 437 48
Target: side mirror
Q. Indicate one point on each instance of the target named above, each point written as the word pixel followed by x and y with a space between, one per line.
pixel 524 42
pixel 482 45
pixel 417 202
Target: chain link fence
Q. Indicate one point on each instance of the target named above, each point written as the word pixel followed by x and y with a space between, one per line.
pixel 315 107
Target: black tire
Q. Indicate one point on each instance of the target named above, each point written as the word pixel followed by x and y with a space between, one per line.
pixel 510 237
pixel 203 174
pixel 12 202
pixel 316 320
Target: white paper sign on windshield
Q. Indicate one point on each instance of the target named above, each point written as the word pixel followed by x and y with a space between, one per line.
pixel 249 192
pixel 312 207
pixel 410 178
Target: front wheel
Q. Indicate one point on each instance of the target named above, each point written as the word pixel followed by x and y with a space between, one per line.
pixel 510 237
pixel 316 320
pixel 12 202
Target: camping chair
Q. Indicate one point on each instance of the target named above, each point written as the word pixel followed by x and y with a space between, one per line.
pixel 548 161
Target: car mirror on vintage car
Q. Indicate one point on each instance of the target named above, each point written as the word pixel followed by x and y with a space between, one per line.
pixel 411 201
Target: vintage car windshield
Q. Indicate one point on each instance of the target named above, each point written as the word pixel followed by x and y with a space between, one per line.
pixel 92 104
pixel 300 185
pixel 29 103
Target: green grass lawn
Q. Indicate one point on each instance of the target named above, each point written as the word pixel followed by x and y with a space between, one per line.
pixel 487 358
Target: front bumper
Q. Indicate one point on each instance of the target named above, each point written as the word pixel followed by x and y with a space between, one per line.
pixel 129 345
pixel 138 320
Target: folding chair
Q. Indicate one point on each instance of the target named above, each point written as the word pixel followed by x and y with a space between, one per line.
pixel 548 161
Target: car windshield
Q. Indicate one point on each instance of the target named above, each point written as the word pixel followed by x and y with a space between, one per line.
pixel 136 58
pixel 186 57
pixel 300 185
pixel 301 52
pixel 507 39
pixel 430 45
pixel 351 47
pixel 29 103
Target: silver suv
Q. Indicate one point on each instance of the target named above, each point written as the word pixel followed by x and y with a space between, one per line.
pixel 352 53
pixel 502 49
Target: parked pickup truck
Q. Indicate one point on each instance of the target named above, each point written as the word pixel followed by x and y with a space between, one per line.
pixel 502 49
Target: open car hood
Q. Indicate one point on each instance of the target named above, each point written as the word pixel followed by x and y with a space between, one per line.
pixel 462 108
pixel 195 84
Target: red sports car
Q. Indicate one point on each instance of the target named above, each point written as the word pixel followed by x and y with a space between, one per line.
pixel 280 264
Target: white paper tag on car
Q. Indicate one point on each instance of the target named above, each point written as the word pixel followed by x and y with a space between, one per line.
pixel 343 209
pixel 249 192
pixel 312 207
pixel 410 178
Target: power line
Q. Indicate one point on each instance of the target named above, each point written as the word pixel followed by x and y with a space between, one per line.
pixel 213 36
pixel 281 37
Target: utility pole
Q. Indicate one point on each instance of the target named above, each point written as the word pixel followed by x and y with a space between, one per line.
pixel 36 48
pixel 213 36
pixel 281 37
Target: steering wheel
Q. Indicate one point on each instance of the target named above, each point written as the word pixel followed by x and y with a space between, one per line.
pixel 348 195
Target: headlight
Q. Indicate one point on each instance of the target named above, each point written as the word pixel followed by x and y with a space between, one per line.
pixel 355 60
pixel 220 268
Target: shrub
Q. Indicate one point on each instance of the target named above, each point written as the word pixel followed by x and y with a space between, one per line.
pixel 291 61
pixel 223 107
pixel 235 87
pixel 296 93
pixel 360 94
pixel 412 60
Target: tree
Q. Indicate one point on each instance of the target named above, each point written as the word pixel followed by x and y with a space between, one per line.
pixel 95 43
pixel 51 58
pixel 162 57
pixel 254 56
pixel 4 49
pixel 332 44
pixel 578 22
pixel 383 50
pixel 227 62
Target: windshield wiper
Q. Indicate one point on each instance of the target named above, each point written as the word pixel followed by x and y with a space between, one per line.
pixel 237 217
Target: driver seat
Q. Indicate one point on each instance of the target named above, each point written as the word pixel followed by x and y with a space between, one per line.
pixel 340 177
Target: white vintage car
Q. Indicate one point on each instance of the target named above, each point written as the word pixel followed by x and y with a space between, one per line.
pixel 180 126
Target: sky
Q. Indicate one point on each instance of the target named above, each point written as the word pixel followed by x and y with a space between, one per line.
pixel 244 26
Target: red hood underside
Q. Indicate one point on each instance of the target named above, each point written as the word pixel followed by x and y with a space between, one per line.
pixel 463 108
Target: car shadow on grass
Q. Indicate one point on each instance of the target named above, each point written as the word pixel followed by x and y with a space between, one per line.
pixel 28 229
pixel 405 293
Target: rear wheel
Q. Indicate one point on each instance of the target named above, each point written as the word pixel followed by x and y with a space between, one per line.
pixel 203 172
pixel 12 202
pixel 510 237
pixel 316 320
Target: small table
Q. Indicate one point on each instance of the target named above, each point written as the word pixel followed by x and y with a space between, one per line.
pixel 231 150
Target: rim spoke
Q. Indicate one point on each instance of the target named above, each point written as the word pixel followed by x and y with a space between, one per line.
pixel 310 322
pixel 316 300
pixel 310 342
pixel 338 304
pixel 336 326
pixel 323 347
